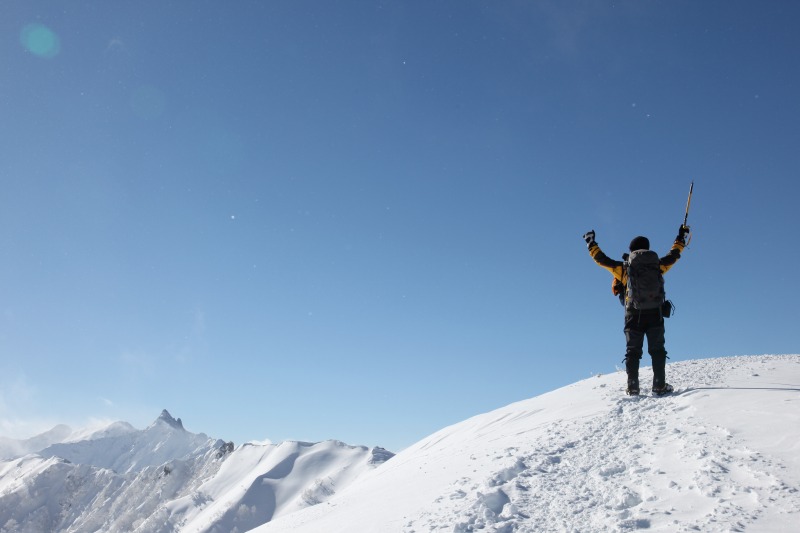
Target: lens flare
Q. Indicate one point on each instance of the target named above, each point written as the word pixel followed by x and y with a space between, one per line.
pixel 40 40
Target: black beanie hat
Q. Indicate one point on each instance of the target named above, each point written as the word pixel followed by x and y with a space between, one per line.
pixel 639 243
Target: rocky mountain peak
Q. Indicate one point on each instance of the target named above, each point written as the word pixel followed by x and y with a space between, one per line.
pixel 169 420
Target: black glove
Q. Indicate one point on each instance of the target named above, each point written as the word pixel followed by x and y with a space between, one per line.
pixel 683 231
pixel 589 238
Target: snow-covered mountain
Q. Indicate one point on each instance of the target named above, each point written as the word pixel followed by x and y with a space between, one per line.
pixel 721 454
pixel 123 449
pixel 166 479
pixel 10 448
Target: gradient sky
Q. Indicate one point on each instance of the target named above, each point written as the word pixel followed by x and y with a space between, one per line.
pixel 362 220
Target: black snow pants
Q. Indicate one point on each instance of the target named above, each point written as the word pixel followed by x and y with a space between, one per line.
pixel 639 324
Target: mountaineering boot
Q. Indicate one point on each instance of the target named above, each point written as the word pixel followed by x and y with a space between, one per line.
pixel 664 388
pixel 632 369
pixel 660 385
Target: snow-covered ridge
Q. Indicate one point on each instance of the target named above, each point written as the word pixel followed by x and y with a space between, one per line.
pixel 122 451
pixel 10 448
pixel 720 455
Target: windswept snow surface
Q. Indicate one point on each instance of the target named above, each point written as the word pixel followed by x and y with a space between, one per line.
pixel 10 448
pixel 721 454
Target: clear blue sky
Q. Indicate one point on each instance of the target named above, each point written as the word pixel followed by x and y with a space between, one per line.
pixel 362 220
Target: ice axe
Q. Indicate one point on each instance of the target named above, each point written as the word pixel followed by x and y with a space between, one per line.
pixel 686 216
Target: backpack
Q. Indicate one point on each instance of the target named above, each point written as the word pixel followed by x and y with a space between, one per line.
pixel 645 288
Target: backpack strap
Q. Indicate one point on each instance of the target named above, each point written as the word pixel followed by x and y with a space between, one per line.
pixel 620 287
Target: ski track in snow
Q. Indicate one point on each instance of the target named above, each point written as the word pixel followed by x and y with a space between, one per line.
pixel 633 468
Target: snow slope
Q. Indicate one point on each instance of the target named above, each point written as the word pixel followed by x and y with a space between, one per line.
pixel 719 455
pixel 261 482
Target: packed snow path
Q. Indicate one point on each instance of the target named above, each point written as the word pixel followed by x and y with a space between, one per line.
pixel 718 455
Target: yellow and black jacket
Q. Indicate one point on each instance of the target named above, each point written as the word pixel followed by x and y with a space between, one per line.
pixel 618 270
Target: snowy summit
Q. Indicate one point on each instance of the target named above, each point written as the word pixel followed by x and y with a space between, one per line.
pixel 720 454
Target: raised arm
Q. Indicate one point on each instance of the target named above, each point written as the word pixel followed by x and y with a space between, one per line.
pixel 674 253
pixel 613 266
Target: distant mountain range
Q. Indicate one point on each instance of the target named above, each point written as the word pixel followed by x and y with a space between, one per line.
pixel 165 479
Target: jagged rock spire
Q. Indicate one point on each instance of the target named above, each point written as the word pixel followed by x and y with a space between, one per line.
pixel 167 418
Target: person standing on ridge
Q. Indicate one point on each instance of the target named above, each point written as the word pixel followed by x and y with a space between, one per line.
pixel 640 276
